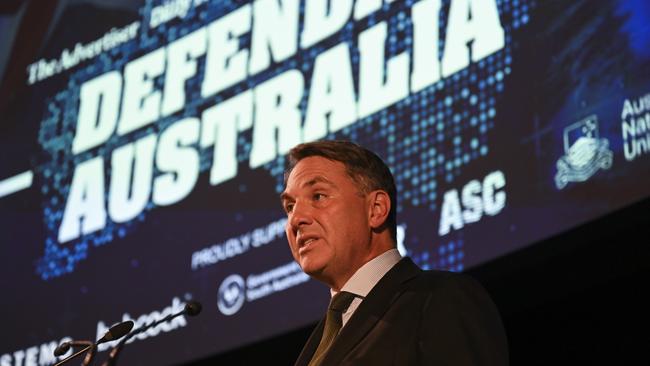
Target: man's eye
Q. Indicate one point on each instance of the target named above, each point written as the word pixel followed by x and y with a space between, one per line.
pixel 318 196
pixel 288 207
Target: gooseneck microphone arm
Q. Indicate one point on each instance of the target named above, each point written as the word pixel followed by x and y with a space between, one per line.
pixel 115 332
pixel 192 308
pixel 64 347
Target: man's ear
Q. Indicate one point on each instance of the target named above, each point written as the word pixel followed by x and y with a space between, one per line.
pixel 379 201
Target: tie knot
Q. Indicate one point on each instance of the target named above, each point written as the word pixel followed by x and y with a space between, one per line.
pixel 341 301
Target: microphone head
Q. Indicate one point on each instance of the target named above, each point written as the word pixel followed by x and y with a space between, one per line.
pixel 193 308
pixel 117 331
pixel 62 349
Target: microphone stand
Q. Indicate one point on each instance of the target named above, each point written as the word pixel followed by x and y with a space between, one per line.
pixel 90 348
pixel 88 358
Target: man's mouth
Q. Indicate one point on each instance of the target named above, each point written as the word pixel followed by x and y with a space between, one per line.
pixel 304 245
pixel 308 241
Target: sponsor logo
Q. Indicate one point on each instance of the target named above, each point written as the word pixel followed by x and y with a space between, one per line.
pixel 231 294
pixel 477 199
pixel 635 126
pixel 584 153
pixel 234 291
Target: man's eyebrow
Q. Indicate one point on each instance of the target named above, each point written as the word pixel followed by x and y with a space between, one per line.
pixel 318 179
pixel 284 196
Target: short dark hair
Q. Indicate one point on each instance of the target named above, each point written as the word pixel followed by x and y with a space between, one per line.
pixel 365 168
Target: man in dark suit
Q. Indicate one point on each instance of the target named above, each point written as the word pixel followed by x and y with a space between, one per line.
pixel 340 200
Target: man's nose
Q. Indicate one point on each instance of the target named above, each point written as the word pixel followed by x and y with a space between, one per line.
pixel 300 215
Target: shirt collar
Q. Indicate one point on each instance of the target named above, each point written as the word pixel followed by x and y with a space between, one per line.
pixel 366 277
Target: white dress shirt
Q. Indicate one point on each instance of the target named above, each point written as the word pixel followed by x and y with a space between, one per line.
pixel 366 277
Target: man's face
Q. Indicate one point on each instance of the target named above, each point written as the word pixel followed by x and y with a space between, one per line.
pixel 328 225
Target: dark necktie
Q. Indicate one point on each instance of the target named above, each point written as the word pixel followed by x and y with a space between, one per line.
pixel 333 323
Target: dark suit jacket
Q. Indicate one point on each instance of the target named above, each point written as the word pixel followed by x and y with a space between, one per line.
pixel 415 317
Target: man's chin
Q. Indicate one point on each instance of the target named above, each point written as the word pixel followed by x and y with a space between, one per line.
pixel 312 268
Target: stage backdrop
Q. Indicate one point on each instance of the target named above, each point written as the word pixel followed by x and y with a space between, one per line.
pixel 143 166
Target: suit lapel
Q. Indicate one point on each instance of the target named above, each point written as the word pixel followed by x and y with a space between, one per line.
pixel 369 312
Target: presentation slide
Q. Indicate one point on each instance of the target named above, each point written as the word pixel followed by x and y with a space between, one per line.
pixel 142 163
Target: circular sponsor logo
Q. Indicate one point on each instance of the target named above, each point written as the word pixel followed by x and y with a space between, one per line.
pixel 232 294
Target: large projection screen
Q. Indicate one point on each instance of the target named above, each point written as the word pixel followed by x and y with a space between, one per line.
pixel 141 167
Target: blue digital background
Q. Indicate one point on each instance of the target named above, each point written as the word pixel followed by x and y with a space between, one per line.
pixel 561 63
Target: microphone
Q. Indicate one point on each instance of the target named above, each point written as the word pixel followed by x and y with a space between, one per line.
pixel 191 308
pixel 64 347
pixel 115 332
